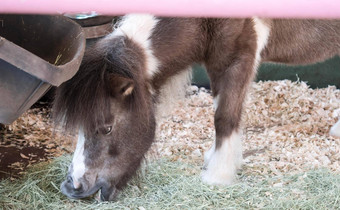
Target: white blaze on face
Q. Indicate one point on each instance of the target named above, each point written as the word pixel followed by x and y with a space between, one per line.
pixel 78 162
pixel 223 162
pixel 139 28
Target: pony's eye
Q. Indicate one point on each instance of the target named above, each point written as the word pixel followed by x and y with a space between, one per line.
pixel 108 130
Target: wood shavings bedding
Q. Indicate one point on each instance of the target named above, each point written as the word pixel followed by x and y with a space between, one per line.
pixel 285 129
pixel 30 139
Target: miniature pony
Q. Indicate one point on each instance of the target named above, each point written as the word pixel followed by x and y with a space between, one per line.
pixel 113 97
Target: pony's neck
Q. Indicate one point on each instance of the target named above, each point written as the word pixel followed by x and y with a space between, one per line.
pixel 169 46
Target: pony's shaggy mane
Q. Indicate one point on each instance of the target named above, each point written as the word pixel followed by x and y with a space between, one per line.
pixel 84 101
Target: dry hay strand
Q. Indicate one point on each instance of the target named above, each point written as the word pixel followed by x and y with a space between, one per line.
pixel 290 160
pixel 175 184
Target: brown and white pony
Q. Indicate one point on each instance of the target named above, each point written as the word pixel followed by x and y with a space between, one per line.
pixel 112 98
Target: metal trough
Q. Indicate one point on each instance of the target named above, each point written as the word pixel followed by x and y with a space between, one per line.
pixel 36 52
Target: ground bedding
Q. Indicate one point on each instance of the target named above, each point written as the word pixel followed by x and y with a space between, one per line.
pixel 285 127
pixel 285 143
pixel 30 139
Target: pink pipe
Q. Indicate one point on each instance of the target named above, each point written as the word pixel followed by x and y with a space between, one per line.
pixel 213 8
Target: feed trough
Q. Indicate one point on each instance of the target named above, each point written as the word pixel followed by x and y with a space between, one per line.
pixel 36 52
pixel 94 26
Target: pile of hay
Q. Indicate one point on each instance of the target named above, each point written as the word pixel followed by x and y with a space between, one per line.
pixel 176 185
pixel 290 160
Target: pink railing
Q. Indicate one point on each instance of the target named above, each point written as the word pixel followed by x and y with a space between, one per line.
pixel 215 8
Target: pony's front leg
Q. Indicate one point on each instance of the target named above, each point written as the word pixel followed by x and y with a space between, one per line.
pixel 229 90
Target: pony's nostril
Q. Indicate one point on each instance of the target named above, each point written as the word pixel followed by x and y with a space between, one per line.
pixel 74 183
pixel 69 179
pixel 77 185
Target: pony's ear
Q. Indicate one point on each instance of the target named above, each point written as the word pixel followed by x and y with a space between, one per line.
pixel 120 85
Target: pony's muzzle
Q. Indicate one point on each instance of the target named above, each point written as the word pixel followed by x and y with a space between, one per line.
pixel 72 190
pixel 82 189
pixel 77 186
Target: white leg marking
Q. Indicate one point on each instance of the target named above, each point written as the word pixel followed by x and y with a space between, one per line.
pixel 78 161
pixel 208 154
pixel 335 130
pixel 216 101
pixel 139 27
pixel 224 162
pixel 262 32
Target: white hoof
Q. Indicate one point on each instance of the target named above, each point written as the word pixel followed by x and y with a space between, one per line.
pixel 215 175
pixel 222 164
pixel 335 130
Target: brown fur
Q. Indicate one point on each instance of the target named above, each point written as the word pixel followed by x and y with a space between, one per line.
pixel 95 98
pixel 227 47
pixel 302 41
pixel 84 101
